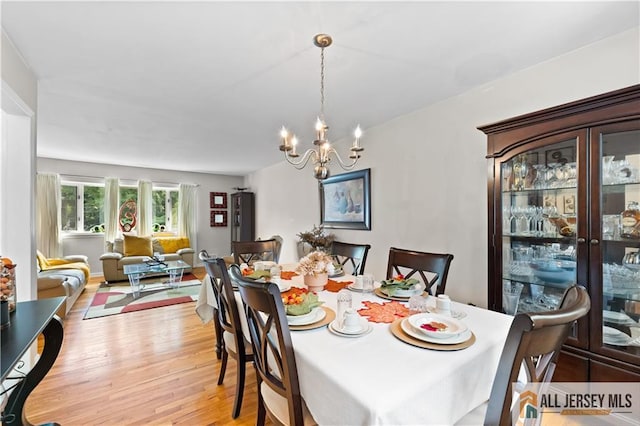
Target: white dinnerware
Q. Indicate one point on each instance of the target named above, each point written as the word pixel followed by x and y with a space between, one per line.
pixel 365 328
pixel 417 289
pixel 351 322
pixel 617 318
pixel 437 326
pixel 411 331
pixel 316 314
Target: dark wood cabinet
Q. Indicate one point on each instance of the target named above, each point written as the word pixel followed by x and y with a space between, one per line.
pixel 242 216
pixel 559 182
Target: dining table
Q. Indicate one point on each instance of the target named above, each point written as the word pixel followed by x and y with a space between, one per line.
pixel 379 379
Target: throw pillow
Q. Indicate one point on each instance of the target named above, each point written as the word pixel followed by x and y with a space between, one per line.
pixel 173 244
pixel 137 246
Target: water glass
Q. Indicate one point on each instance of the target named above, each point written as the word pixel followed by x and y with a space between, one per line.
pixel 344 302
pixel 175 276
pixel 367 283
pixel 418 303
pixel 510 296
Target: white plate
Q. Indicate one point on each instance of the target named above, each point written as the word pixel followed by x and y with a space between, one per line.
pixel 454 327
pixel 316 314
pixel 333 327
pixel 617 317
pixel 403 293
pixel 408 328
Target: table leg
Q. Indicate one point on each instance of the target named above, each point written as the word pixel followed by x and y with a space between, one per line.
pixel 14 413
pixel 134 281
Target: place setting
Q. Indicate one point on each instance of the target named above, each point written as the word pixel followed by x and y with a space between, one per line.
pixel 433 331
pixel 265 271
pixel 400 288
pixel 304 310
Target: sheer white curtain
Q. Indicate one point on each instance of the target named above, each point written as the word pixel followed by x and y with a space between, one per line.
pixel 48 201
pixel 187 214
pixel 145 211
pixel 111 206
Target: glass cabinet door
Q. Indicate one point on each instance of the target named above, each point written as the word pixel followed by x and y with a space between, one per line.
pixel 539 200
pixel 617 261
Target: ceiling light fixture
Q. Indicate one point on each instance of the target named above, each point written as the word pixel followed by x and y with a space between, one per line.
pixel 323 149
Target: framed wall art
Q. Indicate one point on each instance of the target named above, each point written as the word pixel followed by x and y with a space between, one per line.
pixel 345 200
pixel 218 200
pixel 218 218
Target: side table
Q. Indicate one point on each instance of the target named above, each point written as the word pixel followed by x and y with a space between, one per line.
pixel 29 320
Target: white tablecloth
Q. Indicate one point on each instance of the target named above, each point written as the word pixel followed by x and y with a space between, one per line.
pixel 377 379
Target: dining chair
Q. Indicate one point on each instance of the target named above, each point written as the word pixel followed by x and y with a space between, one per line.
pixel 354 254
pixel 533 344
pixel 203 255
pixel 234 342
pixel 252 251
pixel 411 262
pixel 274 359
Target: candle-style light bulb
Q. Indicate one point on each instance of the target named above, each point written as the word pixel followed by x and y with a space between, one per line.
pixel 355 147
pixel 294 143
pixel 319 129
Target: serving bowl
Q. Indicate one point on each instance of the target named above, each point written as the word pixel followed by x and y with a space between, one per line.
pixel 437 326
pixel 554 271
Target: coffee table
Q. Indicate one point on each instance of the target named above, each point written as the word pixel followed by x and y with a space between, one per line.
pixel 135 272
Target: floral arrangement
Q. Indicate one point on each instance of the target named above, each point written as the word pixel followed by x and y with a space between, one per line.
pixel 316 237
pixel 315 263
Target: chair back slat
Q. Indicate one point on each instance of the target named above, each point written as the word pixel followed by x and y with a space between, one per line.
pixel 274 357
pixel 353 254
pixel 411 262
pixel 252 251
pixel 534 341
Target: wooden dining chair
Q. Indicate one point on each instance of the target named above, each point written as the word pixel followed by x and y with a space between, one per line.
pixel 234 342
pixel 274 359
pixel 252 251
pixel 203 255
pixel 411 262
pixel 533 343
pixel 352 254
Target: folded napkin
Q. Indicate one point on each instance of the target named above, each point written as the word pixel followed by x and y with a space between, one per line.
pixel 287 275
pixel 206 304
pixel 336 286
pixel 386 312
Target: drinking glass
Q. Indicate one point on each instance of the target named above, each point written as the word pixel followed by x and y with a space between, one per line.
pixel 367 283
pixel 540 181
pixel 344 302
pixel 175 275
pixel 418 303
pixel 507 168
pixel 510 296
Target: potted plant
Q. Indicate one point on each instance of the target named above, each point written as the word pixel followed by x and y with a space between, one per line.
pixel 314 240
pixel 315 269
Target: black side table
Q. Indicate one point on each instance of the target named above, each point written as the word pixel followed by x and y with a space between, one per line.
pixel 27 322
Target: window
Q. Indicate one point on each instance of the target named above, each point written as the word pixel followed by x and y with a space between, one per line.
pixel 82 207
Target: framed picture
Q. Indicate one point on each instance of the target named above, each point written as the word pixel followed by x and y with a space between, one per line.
pixel 218 200
pixel 218 218
pixel 345 200
pixel 561 156
pixel 549 201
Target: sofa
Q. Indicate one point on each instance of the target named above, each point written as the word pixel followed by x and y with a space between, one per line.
pixel 132 249
pixel 62 277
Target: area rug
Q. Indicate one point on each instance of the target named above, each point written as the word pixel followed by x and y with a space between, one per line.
pixel 117 298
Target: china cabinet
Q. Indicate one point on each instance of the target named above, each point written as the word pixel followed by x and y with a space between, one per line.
pixel 563 189
pixel 242 216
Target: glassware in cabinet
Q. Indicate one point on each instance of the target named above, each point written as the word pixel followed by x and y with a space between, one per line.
pixel 538 214
pixel 619 254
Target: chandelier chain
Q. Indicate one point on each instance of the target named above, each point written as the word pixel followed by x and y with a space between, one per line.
pixel 322 84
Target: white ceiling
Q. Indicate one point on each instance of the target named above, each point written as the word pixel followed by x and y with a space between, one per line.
pixel 205 86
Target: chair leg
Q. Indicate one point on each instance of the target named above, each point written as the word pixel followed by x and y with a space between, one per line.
pixel 262 411
pixel 218 330
pixel 223 367
pixel 240 373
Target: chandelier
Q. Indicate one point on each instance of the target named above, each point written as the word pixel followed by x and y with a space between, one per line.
pixel 321 153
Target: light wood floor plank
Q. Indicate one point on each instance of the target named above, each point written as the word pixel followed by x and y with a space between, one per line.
pixel 152 367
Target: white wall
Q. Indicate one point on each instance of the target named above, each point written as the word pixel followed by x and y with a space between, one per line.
pixel 17 168
pixel 429 172
pixel 215 240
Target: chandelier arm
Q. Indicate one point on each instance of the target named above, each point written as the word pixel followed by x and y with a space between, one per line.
pixel 300 164
pixel 344 165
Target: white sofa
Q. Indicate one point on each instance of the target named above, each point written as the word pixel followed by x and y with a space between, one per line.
pixel 114 259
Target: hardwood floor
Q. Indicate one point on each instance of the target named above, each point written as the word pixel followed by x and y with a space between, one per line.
pixel 152 367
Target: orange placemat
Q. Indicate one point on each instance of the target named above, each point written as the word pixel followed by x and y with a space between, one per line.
pixel 287 275
pixel 336 286
pixel 386 312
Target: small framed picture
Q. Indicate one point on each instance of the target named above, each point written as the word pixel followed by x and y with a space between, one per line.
pixel 569 205
pixel 218 200
pixel 218 218
pixel 549 201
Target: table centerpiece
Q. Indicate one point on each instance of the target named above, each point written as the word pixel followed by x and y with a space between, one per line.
pixel 315 268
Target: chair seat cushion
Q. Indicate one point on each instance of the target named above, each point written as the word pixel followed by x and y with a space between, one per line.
pixel 278 407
